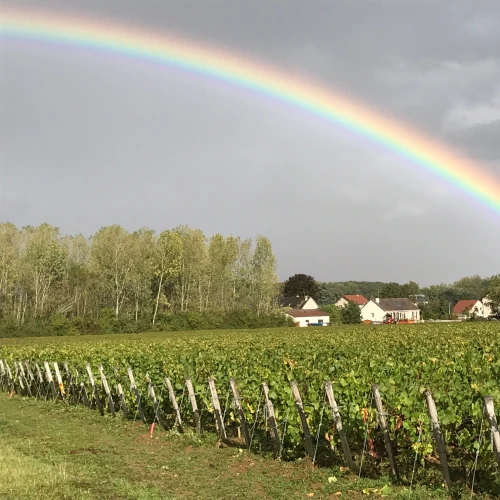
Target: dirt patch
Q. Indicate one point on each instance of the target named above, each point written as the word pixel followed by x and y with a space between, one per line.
pixel 147 439
pixel 241 466
pixel 317 486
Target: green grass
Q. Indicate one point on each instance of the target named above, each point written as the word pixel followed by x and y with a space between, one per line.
pixel 51 451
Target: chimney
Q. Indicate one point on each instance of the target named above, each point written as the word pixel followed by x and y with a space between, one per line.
pixel 377 300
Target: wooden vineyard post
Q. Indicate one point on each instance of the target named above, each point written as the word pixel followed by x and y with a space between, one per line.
pixel 492 419
pixel 22 378
pixel 385 431
pixel 338 425
pixel 40 380
pixel 50 380
pixel 83 392
pixel 32 381
pixel 95 391
pixel 175 406
pixel 156 404
pixel 111 404
pixel 39 374
pixel 59 380
pixel 121 394
pixel 10 379
pixel 272 420
pixel 123 403
pixel 71 386
pixel 243 422
pixel 217 410
pixel 438 437
pixel 133 388
pixel 3 375
pixel 18 378
pixel 303 419
pixel 194 406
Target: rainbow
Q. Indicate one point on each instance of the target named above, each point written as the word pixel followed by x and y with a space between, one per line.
pixel 469 176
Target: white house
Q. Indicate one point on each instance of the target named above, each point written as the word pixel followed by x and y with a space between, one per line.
pixel 487 308
pixel 399 309
pixel 308 317
pixel 464 308
pixel 345 299
pixel 298 302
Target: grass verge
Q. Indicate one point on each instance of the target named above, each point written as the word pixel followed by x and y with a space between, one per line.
pixel 52 451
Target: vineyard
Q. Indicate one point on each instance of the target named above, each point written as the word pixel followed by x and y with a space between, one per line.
pixel 270 391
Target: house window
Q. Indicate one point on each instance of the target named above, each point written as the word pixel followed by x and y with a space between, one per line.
pixel 373 315
pixel 307 321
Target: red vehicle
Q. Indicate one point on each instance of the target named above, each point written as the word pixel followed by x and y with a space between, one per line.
pixel 389 320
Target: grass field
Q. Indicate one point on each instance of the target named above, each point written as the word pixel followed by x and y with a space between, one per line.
pixel 51 451
pixel 460 363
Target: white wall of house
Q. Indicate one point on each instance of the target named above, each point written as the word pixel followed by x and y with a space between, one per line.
pixel 310 319
pixel 373 312
pixel 342 302
pixel 487 310
pixel 310 304
pixel 479 312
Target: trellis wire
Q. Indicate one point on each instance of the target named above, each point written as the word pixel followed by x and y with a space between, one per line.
pixel 416 451
pixel 474 467
pixel 255 420
pixel 319 428
pixel 366 435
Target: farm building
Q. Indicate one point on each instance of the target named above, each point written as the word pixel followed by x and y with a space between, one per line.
pixel 464 308
pixel 357 299
pixel 298 302
pixel 399 309
pixel 308 317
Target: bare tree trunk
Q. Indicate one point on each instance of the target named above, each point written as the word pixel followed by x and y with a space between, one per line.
pixel 24 309
pixel 160 284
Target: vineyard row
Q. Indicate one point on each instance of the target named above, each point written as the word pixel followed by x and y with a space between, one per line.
pixel 228 420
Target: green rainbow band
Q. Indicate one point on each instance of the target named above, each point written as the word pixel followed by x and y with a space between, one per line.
pixel 470 176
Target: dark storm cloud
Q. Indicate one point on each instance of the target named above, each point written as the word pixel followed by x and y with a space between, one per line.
pixel 89 140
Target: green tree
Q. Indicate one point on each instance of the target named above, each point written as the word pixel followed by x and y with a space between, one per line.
pixel 166 266
pixel 350 314
pixel 334 312
pixel 301 284
pixel 391 291
pixel 111 261
pixel 471 287
pixel 10 241
pixel 141 248
pixel 410 289
pixel 44 263
pixel 493 294
pixel 264 277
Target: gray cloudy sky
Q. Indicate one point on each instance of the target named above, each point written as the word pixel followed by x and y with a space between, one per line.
pixel 89 140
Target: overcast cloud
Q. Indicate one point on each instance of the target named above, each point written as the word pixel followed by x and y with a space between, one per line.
pixel 89 140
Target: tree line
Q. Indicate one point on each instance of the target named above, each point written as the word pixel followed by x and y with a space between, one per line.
pixel 136 277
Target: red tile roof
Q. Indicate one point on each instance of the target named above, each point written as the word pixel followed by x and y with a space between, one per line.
pixel 358 299
pixel 306 313
pixel 463 306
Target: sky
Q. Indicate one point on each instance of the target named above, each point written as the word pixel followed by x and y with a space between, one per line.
pixel 89 140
